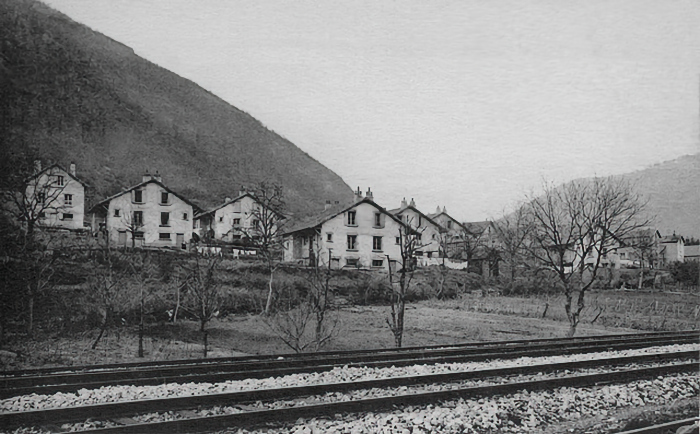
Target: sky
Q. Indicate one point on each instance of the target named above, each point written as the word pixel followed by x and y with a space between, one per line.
pixel 467 104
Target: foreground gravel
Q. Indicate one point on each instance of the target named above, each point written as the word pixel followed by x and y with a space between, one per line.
pixel 342 374
pixel 516 413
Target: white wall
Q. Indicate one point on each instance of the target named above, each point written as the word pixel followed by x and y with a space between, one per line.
pixel 57 206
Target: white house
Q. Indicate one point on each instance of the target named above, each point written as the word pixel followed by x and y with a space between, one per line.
pixel 147 214
pixel 57 196
pixel 428 232
pixel 360 235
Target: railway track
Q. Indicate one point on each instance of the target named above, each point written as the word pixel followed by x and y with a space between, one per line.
pixel 247 408
pixel 48 381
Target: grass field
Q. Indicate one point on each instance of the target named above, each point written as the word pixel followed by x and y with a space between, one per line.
pixel 471 317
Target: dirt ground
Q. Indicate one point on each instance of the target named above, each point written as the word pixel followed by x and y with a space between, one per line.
pixel 427 323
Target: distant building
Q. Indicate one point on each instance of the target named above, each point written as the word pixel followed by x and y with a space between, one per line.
pixel 428 231
pixel 147 214
pixel 454 232
pixel 58 196
pixel 691 253
pixel 671 249
pixel 360 235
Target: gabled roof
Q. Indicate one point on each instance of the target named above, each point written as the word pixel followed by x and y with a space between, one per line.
pixel 434 216
pixel 400 210
pixel 105 202
pixel 672 239
pixel 229 202
pixel 319 219
pixel 54 166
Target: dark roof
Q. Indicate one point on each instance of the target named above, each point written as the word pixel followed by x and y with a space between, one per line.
pixel 397 211
pixel 318 219
pixel 104 202
pixel 56 165
pixel 228 202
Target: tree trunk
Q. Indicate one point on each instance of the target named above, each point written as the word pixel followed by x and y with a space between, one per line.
pixel 206 340
pixel 102 329
pixel 641 278
pixel 30 319
pixel 268 303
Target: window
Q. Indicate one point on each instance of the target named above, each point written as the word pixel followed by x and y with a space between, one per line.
pixel 40 197
pixel 138 235
pixel 419 237
pixel 164 236
pixel 42 215
pixel 68 199
pixel 398 240
pixel 419 253
pixel 430 254
pixel 165 219
pixel 352 242
pixel 138 196
pixel 221 219
pixel 138 218
pixel 377 219
pixel 377 262
pixel 67 216
pixel 434 236
pixel 377 243
pixel 329 237
pixel 420 220
pixel 353 262
pixel 164 198
pixel 60 181
pixel 184 216
pixel 256 223
pixel 449 225
pixel 236 222
pixel 116 212
pixel 351 218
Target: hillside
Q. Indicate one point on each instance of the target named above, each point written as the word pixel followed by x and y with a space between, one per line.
pixel 673 190
pixel 72 94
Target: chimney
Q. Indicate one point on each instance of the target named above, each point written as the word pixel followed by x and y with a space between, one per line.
pixel 157 177
pixel 413 203
pixel 369 194
pixel 37 166
pixel 444 209
pixel 71 168
pixel 437 210
pixel 227 199
pixel 358 195
pixel 146 177
pixel 242 191
pixel 404 204
pixel 327 205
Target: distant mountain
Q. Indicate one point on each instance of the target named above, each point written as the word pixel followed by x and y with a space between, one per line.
pixel 73 94
pixel 673 190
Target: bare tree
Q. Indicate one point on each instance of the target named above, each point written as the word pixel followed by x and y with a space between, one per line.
pixel 513 231
pixel 145 269
pixel 203 291
pixel 410 243
pixel 267 229
pixel 574 228
pixel 133 222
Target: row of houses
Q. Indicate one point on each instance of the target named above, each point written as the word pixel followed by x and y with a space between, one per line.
pixel 362 234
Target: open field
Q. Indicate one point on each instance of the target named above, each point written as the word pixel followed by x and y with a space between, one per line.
pixel 470 317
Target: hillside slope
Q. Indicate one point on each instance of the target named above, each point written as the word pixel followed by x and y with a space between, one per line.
pixel 673 190
pixel 73 94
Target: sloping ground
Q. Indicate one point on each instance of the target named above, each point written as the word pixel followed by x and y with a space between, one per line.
pixel 72 94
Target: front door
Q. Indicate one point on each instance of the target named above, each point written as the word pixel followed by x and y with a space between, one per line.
pixel 122 239
pixel 180 240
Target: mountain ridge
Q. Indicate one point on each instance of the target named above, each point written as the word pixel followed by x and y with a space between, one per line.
pixel 73 94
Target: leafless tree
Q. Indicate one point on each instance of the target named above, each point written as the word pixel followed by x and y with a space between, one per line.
pixel 400 280
pixel 203 291
pixel 513 232
pixel 133 222
pixel 266 231
pixel 145 270
pixel 576 225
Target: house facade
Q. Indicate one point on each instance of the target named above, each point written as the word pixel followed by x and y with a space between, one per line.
pixel 428 232
pixel 361 235
pixel 454 232
pixel 236 219
pixel 57 196
pixel 148 214
pixel 671 249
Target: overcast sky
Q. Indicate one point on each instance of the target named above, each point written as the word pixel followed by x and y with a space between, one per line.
pixel 466 104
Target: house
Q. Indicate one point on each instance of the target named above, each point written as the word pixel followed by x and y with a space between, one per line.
pixel 57 196
pixel 480 242
pixel 147 214
pixel 235 220
pixel 639 249
pixel 691 253
pixel 359 235
pixel 428 232
pixel 671 249
pixel 454 232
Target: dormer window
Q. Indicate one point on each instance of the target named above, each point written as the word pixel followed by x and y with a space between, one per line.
pixel 351 218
